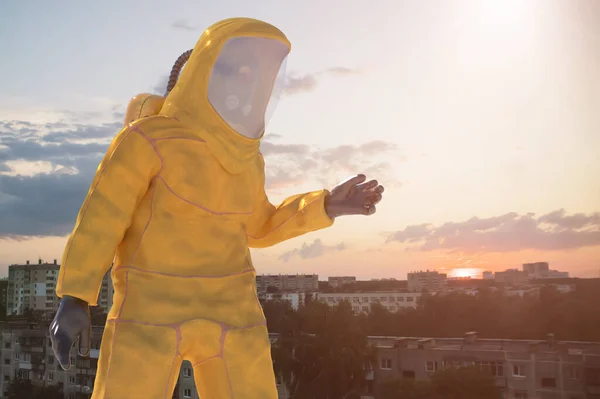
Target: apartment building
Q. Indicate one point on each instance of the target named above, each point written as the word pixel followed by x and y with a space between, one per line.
pixel 288 282
pixel 26 352
pixel 542 270
pixel 295 299
pixel 545 369
pixel 3 294
pixel 430 281
pixel 511 276
pixel 362 301
pixel 33 286
pixel 536 268
pixel 339 281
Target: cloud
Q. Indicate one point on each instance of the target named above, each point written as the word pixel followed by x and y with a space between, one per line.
pixel 161 86
pixel 296 83
pixel 312 250
pixel 46 169
pixel 505 233
pixel 183 24
pixel 293 164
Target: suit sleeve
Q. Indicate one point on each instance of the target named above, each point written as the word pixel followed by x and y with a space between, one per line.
pixel 295 216
pixel 121 181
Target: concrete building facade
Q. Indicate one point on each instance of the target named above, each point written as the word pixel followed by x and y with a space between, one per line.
pixel 295 299
pixel 33 286
pixel 430 281
pixel 361 301
pixel 511 276
pixel 340 281
pixel 26 352
pixel 288 282
pixel 522 369
pixel 536 268
pixel 541 270
pixel 543 369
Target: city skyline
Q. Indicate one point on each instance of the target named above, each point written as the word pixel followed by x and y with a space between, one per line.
pixel 484 135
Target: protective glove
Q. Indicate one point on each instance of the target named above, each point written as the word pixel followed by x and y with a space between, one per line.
pixel 354 197
pixel 71 323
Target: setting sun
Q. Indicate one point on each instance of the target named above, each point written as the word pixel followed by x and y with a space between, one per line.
pixel 465 272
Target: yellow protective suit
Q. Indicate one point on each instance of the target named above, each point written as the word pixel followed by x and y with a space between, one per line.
pixel 180 198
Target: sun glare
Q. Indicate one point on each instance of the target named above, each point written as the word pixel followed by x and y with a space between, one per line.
pixel 504 12
pixel 465 272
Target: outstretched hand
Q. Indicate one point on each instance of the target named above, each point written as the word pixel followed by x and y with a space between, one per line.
pixel 354 197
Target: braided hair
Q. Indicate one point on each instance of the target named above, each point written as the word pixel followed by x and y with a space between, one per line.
pixel 176 70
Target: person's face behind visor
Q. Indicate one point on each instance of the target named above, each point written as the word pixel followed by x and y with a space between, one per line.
pixel 246 82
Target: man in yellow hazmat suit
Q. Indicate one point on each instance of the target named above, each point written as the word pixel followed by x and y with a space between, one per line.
pixel 180 198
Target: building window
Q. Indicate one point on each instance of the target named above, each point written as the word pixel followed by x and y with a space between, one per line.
pixel 548 382
pixel 494 368
pixel 187 372
pixel 518 371
pixel 187 393
pixel 400 299
pixel 386 364
pixel 50 376
pixel 6 361
pixel 365 299
pixel 50 359
pixel 72 379
pixel 431 367
pixel 520 395
pixel 409 299
pixel 365 308
pixel 7 345
pixel 574 373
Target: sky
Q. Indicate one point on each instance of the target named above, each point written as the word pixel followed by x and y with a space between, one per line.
pixel 480 117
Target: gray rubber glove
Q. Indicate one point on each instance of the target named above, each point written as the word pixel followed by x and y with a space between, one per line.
pixel 71 323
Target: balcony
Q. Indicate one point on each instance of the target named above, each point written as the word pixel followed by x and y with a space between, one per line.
pixel 25 365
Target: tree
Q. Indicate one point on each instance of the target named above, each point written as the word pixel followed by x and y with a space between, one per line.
pixel 50 392
pixel 405 389
pixel 271 289
pixel 325 355
pixel 31 315
pixel 20 388
pixel 462 383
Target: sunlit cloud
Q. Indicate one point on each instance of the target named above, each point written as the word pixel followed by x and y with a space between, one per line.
pixel 505 233
pixel 312 250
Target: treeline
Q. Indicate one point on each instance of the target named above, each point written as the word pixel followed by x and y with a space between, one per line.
pixel 323 353
pixel 572 316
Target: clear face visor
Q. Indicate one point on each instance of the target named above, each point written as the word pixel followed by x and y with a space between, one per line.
pixel 246 82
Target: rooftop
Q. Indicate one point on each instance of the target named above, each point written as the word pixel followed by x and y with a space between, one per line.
pixel 487 344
